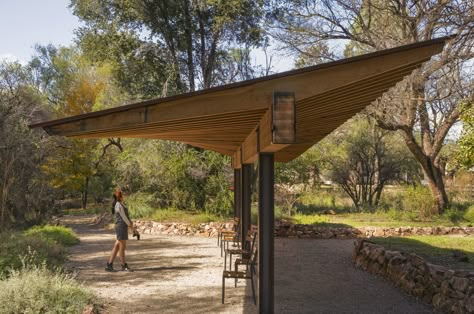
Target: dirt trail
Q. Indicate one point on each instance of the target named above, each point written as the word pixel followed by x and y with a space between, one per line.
pixel 184 275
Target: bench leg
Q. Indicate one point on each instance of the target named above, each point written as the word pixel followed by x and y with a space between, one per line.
pixel 225 260
pixel 253 290
pixel 236 267
pixel 223 288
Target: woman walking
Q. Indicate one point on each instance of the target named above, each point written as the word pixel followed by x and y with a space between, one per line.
pixel 122 223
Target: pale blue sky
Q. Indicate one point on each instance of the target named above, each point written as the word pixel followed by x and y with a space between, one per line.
pixel 24 23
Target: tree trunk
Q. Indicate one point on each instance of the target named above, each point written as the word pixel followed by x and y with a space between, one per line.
pixel 85 193
pixel 434 177
pixel 189 45
pixel 432 172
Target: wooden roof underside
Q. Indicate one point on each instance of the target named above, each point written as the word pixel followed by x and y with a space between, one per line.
pixel 221 118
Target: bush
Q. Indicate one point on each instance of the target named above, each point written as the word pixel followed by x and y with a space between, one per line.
pixel 469 214
pixel 61 235
pixel 36 289
pixel 453 215
pixel 419 200
pixel 321 200
pixel 140 205
pixel 14 245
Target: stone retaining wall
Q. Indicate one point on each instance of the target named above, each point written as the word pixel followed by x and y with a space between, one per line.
pixel 286 229
pixel 183 229
pixel 448 290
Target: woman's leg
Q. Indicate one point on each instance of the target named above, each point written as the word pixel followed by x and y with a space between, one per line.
pixel 121 252
pixel 115 250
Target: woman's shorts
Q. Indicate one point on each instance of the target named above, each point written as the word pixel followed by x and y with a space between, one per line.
pixel 122 231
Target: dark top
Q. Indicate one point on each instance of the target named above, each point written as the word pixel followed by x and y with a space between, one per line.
pixel 121 214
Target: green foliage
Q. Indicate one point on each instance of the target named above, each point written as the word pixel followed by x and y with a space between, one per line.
pixel 465 153
pixel 14 246
pixel 36 289
pixel 453 214
pixel 311 219
pixel 177 176
pixel 321 200
pixel 140 205
pixel 62 235
pixel 71 86
pixel 187 42
pixel 25 195
pixel 419 200
pixel 469 214
pixel 176 215
pixel 363 159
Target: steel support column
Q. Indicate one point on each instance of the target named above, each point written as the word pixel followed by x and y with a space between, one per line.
pixel 265 233
pixel 237 193
pixel 246 201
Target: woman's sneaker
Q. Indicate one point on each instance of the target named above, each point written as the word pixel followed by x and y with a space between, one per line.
pixel 109 267
pixel 125 267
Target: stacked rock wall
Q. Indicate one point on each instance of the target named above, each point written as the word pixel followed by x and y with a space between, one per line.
pixel 183 229
pixel 448 290
pixel 286 229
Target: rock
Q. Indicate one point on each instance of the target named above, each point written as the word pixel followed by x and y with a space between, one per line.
pixel 448 274
pixel 379 232
pixel 417 261
pixel 470 304
pixel 445 287
pixel 456 295
pixel 397 260
pixel 459 284
pixel 376 253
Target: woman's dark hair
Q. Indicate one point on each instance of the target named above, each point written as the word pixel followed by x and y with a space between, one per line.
pixel 114 201
pixel 117 198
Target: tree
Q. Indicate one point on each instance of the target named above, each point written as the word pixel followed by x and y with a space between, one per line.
pixel 23 195
pixel 181 45
pixel 175 175
pixel 425 106
pixel 290 178
pixel 72 86
pixel 367 158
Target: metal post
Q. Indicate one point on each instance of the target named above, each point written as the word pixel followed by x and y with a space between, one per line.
pixel 246 201
pixel 237 193
pixel 266 216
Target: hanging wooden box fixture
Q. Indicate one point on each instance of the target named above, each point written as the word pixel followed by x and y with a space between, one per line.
pixel 283 118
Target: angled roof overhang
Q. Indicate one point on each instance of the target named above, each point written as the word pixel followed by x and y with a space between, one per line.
pixel 235 119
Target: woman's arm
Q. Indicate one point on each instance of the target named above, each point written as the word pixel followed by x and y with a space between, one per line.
pixel 119 209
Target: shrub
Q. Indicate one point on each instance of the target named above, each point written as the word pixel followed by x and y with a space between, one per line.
pixel 419 200
pixel 140 205
pixel 453 214
pixel 321 200
pixel 469 214
pixel 61 235
pixel 36 289
pixel 395 214
pixel 15 245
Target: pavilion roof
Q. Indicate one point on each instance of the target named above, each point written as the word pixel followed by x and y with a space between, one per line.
pixel 235 119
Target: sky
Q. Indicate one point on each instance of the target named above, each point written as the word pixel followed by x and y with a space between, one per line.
pixel 24 23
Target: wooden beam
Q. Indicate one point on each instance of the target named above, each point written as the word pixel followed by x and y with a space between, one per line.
pixel 237 117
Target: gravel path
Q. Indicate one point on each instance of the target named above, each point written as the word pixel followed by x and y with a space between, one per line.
pixel 184 275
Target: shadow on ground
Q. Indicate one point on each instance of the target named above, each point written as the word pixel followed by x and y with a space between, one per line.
pixel 184 275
